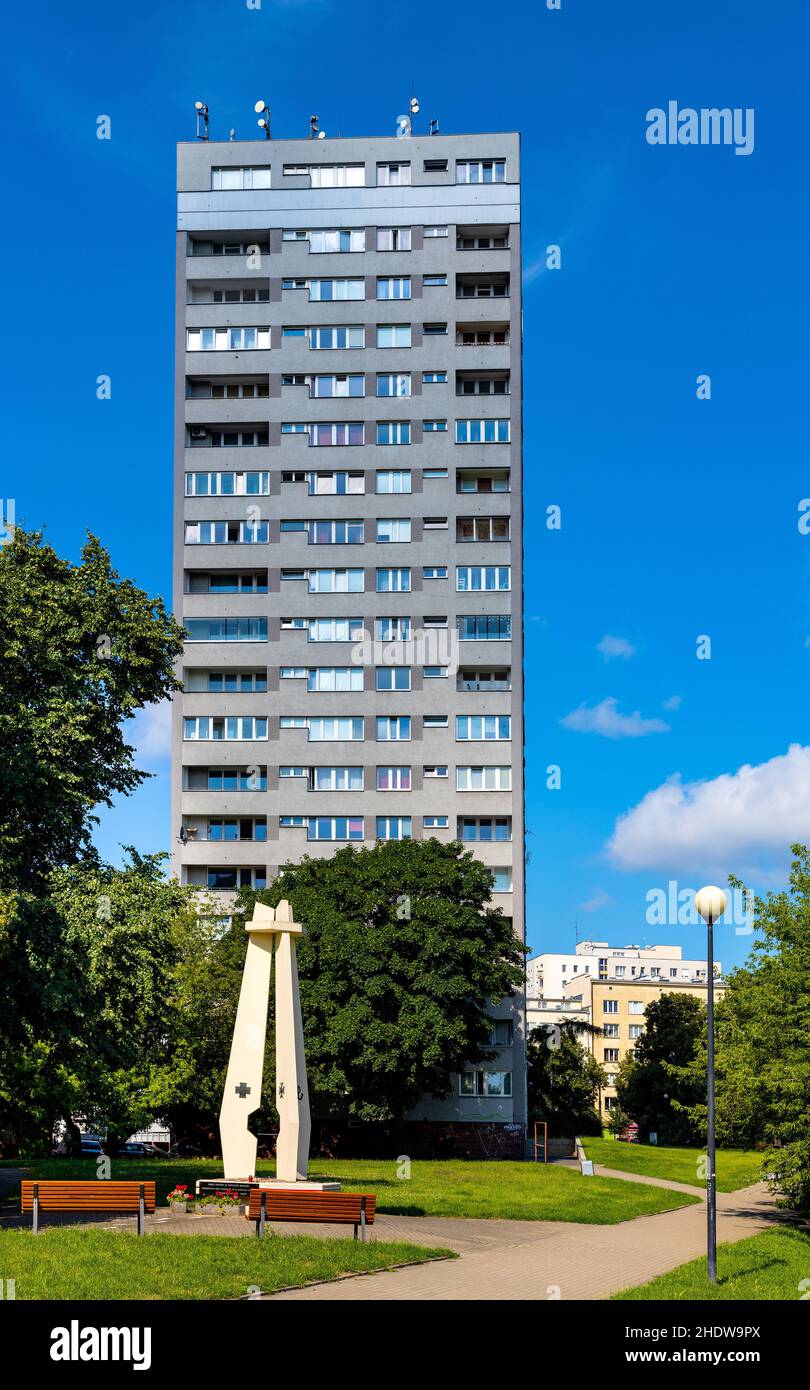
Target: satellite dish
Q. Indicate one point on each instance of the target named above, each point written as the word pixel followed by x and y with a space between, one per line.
pixel 260 106
pixel 403 127
pixel 199 105
pixel 414 106
pixel 262 122
pixel 321 134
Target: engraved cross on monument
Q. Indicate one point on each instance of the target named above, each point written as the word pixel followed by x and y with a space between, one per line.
pixel 271 941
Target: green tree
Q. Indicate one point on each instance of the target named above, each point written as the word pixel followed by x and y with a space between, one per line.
pixel 87 998
pixel 657 1086
pixel 762 1033
pixel 564 1079
pixel 401 953
pixel 80 651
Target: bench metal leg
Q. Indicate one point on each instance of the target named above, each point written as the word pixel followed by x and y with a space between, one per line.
pixel 262 1215
pixel 35 1211
pixel 362 1218
pixel 141 1213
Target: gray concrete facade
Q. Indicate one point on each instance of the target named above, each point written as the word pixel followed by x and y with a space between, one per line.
pixel 283 520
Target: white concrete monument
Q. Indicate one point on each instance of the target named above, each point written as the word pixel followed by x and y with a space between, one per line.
pixel 271 939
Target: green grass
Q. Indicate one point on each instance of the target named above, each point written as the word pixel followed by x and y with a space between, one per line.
pixel 512 1191
pixel 735 1167
pixel 64 1263
pixel 768 1266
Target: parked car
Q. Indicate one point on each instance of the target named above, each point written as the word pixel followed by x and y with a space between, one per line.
pixel 134 1150
pixel 91 1148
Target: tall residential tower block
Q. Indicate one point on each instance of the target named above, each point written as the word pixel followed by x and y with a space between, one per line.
pixel 348 560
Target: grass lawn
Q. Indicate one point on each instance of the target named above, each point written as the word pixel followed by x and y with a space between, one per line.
pixel 116 1265
pixel 768 1266
pixel 735 1167
pixel 514 1191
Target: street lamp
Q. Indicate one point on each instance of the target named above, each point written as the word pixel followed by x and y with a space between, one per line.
pixel 711 904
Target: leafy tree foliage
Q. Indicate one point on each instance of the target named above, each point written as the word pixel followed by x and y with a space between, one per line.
pixel 402 950
pixel 87 997
pixel 80 651
pixel 657 1085
pixel 563 1080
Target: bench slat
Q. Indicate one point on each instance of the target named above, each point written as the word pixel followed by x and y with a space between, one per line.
pixel 328 1207
pixel 60 1194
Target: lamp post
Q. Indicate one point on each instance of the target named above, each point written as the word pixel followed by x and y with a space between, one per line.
pixel 711 904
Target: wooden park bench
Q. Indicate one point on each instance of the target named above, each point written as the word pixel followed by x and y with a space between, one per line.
pixel 335 1208
pixel 96 1195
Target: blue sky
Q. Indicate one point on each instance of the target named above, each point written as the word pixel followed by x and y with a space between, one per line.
pixel 679 516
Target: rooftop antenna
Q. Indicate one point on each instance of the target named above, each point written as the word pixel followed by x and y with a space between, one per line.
pixel 433 128
pixel 314 132
pixel 263 112
pixel 232 135
pixel 202 120
pixel 405 123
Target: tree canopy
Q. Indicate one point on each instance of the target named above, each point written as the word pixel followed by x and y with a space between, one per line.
pixel 563 1080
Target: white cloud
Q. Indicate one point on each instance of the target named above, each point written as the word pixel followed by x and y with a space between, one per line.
pixel 605 719
pixel 615 646
pixel 740 822
pixel 674 702
pixel 593 904
pixel 151 733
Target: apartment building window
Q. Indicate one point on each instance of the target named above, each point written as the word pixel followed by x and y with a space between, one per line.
pixel 610 1054
pixel 336 581
pixel 393 779
pixel 393 286
pixel 434 231
pixel 335 828
pixel 393 480
pixel 394 729
pixel 434 281
pixel 224 728
pixel 322 242
pixel 227 339
pixel 226 629
pixel 236 779
pixel 256 176
pixel 393 175
pixel 479 288
pixel 344 729
pixel 612 1077
pixel 635 1006
pixel 483 337
pixel 485 627
pixel 502 880
pixel 435 721
pixel 635 1030
pixel 335 678
pixel 483 779
pixel 329 338
pixel 610 1006
pixel 202 437
pixel 393 530
pixel 435 822
pixel 482 528
pixel 393 827
pixel 293 822
pixel 392 629
pixel 482 432
pixel 329 175
pixel 332 629
pixel 429 473
pixel 396 384
pixel 434 426
pixel 485 829
pixel 485 1083
pixel 483 728
pixel 432 673
pixel 333 532
pixel 338 483
pixel 480 170
pixel 498 241
pixel 394 581
pixel 226 582
pixel 393 432
pixel 335 436
pixel 328 291
pixel 231 879
pixel 228 248
pixel 484 578
pixel 246 294
pixel 391 335
pixel 482 386
pixel 435 770
pixel 610 1030
pixel 227 484
pixel 198 390
pixel 229 828
pixel 483 482
pixel 222 681
pixel 226 533
pixel 434 378
pixel 331 779
pixel 434 330
pixel 393 238
pixel 394 678
pixel 334 385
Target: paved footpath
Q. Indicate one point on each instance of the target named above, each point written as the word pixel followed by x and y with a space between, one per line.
pixel 539 1260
